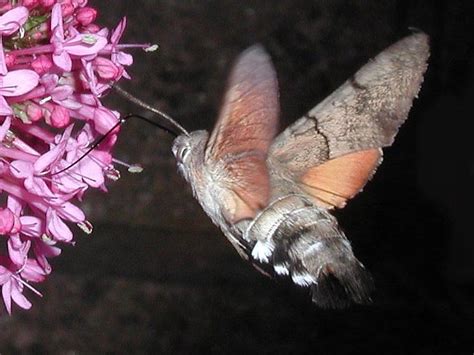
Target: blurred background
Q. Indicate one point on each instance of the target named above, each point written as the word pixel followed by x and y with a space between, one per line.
pixel 157 277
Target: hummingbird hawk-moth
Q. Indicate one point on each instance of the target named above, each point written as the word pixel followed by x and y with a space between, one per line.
pixel 272 195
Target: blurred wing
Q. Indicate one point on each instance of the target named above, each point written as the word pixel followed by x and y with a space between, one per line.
pixel 246 126
pixel 334 149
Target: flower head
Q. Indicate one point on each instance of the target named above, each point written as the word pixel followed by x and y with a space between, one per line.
pixel 53 75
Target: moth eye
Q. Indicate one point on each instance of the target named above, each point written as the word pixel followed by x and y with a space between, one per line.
pixel 183 153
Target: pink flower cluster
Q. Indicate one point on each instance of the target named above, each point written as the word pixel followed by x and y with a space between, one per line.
pixel 55 65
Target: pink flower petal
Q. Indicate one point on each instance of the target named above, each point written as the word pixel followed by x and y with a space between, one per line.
pixel 7 295
pixel 126 75
pixel 124 58
pixel 93 173
pixel 5 275
pixel 21 169
pixel 85 44
pixel 19 299
pixel 63 61
pixel 42 251
pixel 33 271
pixel 5 109
pixel 3 64
pixel 55 225
pixel 118 31
pixel 49 157
pixel 57 19
pixel 68 183
pixel 88 99
pixel 31 226
pixel 70 104
pixel 12 20
pixel 18 250
pixel 104 32
pixel 18 82
pixel 47 250
pixel 49 81
pixel 71 213
pixel 14 204
pixel 38 187
pixel 5 127
pixel 61 92
pixel 104 119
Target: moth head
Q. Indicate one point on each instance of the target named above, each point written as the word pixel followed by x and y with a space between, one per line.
pixel 189 152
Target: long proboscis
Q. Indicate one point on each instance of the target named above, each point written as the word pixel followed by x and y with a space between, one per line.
pixel 99 140
pixel 148 107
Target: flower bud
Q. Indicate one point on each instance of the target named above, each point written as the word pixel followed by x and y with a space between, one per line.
pixel 7 220
pixel 86 15
pixel 67 9
pixel 47 3
pixel 42 64
pixel 30 4
pixel 105 68
pixel 5 6
pixel 60 117
pixel 10 59
pixel 34 112
pixel 92 28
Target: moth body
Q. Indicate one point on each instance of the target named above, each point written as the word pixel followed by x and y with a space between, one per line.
pixel 272 195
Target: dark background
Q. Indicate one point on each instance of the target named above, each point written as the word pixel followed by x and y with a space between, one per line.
pixel 157 277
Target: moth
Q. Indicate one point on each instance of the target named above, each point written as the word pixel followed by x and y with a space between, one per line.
pixel 272 195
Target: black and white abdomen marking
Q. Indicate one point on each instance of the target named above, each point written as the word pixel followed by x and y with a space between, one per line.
pixel 303 241
pixel 286 231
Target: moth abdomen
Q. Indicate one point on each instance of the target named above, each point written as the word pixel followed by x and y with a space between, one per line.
pixel 304 242
pixel 340 290
pixel 341 278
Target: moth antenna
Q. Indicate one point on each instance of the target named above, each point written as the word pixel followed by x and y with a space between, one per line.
pixel 148 107
pixel 102 138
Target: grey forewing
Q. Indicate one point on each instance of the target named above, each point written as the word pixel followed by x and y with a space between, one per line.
pixel 365 112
